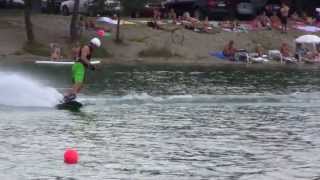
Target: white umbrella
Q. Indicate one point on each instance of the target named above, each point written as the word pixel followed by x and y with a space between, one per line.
pixel 308 39
pixel 107 20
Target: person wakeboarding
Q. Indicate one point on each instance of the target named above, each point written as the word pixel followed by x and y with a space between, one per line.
pixel 79 68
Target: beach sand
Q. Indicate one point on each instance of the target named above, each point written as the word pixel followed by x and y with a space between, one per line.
pixel 140 44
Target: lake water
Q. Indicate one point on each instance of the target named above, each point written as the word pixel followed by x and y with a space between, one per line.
pixel 162 123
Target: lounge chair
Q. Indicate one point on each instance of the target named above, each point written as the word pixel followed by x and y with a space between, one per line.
pixel 242 55
pixel 255 58
pixel 275 55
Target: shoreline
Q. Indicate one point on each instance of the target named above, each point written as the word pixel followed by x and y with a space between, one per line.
pixel 142 45
pixel 165 63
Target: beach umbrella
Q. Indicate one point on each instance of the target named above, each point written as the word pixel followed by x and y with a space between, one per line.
pixel 107 20
pixel 308 39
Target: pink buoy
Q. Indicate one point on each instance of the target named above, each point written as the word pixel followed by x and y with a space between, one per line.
pixel 71 156
pixel 101 33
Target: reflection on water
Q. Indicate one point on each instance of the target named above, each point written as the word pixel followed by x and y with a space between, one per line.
pixel 150 124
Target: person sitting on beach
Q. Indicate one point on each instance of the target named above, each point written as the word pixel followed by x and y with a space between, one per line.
pixel 259 50
pixel 264 20
pixel 156 19
pixel 154 23
pixel 206 25
pixel 229 50
pixel 173 16
pixel 55 52
pixel 300 52
pixel 285 50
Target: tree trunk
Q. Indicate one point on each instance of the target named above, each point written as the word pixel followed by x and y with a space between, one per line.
pixel 101 6
pixel 74 33
pixel 118 28
pixel 27 20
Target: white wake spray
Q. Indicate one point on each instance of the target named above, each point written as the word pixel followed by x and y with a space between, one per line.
pixel 20 91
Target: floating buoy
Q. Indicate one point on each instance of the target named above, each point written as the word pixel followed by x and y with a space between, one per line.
pixel 71 156
pixel 101 33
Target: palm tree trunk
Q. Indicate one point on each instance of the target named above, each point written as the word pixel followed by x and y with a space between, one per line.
pixel 27 20
pixel 74 33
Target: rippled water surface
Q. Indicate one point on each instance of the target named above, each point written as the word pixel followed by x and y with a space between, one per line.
pixel 169 123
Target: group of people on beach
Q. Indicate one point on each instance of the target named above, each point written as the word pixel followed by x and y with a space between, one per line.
pixel 300 54
pixel 272 17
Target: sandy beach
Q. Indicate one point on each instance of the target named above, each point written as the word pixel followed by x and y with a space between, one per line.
pixel 174 45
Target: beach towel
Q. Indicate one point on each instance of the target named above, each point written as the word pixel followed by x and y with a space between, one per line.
pixel 127 23
pixel 218 55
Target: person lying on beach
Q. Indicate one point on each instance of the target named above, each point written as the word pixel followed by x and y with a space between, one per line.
pixel 308 19
pixel 295 17
pixel 287 56
pixel 312 57
pixel 232 25
pixel 55 52
pixel 203 26
pixel 264 21
pixel 229 50
pixel 189 22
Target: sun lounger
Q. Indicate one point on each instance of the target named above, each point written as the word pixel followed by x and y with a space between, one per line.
pixel 275 55
pixel 290 60
pixel 258 60
pixel 242 56
pixel 255 58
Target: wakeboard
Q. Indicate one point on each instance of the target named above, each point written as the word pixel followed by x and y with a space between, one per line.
pixel 95 62
pixel 71 105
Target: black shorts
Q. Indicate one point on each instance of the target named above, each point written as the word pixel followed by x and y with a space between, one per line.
pixel 284 20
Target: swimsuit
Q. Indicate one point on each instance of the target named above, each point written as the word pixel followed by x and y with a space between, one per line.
pixel 79 69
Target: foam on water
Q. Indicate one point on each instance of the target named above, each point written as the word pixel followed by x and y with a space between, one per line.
pixel 138 98
pixel 20 91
